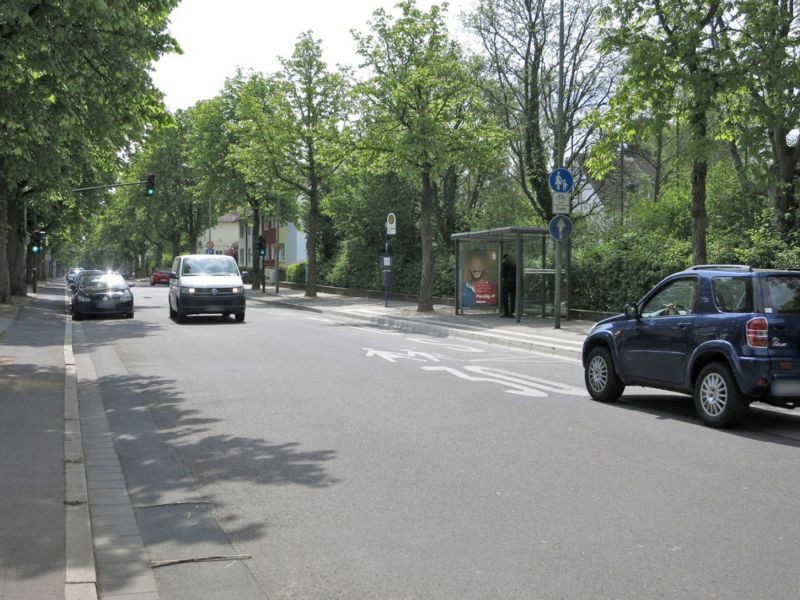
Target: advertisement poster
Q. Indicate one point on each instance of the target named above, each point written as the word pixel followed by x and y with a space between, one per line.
pixel 479 265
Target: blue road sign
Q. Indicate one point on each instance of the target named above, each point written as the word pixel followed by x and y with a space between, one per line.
pixel 561 180
pixel 209 251
pixel 560 228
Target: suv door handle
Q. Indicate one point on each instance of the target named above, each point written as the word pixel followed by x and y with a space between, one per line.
pixel 684 324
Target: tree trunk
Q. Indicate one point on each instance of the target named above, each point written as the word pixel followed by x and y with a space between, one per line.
pixel 5 289
pixel 311 240
pixel 698 124
pixel 659 166
pixel 699 216
pixel 176 243
pixel 785 161
pixel 16 248
pixel 425 303
pixel 257 229
pixel 534 156
pixel 445 204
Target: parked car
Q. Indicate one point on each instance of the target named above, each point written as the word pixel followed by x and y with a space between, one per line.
pixel 206 284
pixel 729 335
pixel 101 293
pixel 159 275
pixel 72 274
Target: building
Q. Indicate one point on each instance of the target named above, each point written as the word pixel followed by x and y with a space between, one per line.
pixel 223 238
pixel 233 236
pixel 633 176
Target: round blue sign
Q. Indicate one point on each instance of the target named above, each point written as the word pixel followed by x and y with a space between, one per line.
pixel 561 180
pixel 560 228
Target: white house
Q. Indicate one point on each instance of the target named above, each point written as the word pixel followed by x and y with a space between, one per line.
pixel 232 236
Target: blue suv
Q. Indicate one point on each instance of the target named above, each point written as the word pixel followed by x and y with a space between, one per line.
pixel 728 335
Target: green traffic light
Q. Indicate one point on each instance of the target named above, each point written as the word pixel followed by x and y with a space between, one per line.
pixel 35 249
pixel 151 192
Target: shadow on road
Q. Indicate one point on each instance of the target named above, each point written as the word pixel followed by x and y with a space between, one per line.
pixel 761 423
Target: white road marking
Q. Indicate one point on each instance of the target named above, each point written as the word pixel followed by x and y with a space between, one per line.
pixel 515 383
pixel 392 357
pixel 446 345
pixel 511 388
pixel 376 329
pixel 323 320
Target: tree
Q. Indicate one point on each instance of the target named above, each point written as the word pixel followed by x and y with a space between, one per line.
pixel 297 133
pixel 179 213
pixel 217 139
pixel 421 110
pixel 673 63
pixel 74 88
pixel 762 41
pixel 519 39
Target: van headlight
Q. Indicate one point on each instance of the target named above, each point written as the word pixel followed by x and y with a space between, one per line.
pixel 187 290
pixel 237 290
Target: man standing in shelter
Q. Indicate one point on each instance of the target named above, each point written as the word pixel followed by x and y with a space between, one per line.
pixel 508 286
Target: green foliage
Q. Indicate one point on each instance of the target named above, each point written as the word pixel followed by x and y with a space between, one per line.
pixel 617 265
pixel 296 273
pixel 74 90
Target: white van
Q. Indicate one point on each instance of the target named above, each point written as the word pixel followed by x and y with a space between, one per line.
pixel 201 284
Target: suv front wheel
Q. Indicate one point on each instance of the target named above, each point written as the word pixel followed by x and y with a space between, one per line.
pixel 717 399
pixel 602 381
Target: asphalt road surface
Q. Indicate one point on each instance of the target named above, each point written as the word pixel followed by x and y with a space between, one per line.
pixel 353 462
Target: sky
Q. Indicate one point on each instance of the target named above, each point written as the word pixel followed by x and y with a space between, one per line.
pixel 217 36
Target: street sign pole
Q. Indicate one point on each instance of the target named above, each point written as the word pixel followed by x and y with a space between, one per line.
pixel 561 184
pixel 386 263
pixel 557 291
pixel 383 267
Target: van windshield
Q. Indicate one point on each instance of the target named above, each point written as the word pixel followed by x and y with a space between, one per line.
pixel 209 266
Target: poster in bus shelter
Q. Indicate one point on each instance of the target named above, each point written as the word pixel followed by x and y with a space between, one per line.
pixel 479 268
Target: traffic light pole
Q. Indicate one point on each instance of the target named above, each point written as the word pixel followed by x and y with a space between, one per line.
pixel 107 187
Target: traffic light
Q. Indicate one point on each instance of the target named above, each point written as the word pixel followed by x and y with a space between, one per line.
pixel 150 186
pixel 37 241
pixel 262 246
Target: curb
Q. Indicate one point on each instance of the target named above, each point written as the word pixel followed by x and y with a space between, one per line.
pixel 429 329
pixel 81 573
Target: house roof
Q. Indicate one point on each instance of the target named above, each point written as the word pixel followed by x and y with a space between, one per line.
pixel 634 171
pixel 229 218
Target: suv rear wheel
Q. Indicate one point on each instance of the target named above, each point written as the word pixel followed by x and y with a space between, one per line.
pixel 717 399
pixel 601 378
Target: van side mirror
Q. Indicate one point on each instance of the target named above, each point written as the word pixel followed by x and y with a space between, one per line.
pixel 632 311
pixel 173 275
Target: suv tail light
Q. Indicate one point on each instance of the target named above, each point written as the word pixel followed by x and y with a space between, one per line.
pixel 756 329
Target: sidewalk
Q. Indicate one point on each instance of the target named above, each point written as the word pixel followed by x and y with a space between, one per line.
pixel 532 334
pixel 32 509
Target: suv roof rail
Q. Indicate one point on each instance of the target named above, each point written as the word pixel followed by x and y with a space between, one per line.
pixel 721 268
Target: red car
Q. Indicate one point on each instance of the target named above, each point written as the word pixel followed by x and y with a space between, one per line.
pixel 159 275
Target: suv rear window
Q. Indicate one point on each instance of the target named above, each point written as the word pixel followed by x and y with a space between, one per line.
pixel 733 294
pixel 782 294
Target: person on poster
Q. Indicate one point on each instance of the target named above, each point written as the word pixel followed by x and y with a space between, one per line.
pixel 508 286
pixel 480 284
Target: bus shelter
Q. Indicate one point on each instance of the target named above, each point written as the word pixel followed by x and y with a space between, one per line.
pixel 478 260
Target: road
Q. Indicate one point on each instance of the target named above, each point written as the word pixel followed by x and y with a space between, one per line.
pixel 357 462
